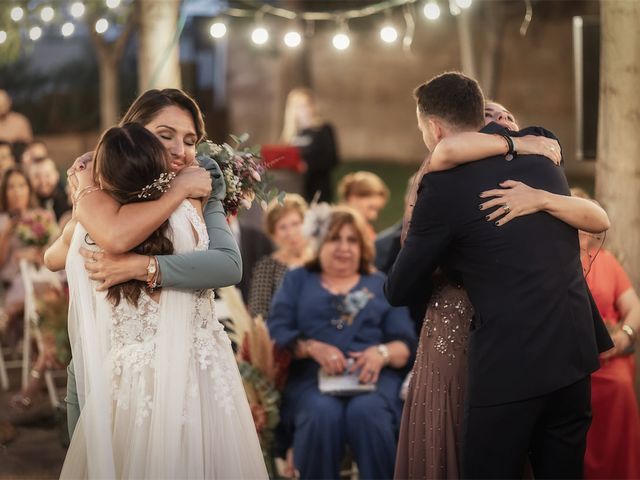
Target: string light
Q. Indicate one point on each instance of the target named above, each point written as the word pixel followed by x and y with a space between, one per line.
pixel 218 29
pixel 3 36
pixel 260 36
pixel 67 29
pixel 35 33
pixel 292 39
pixel 388 34
pixel 113 3
pixel 341 41
pixel 464 4
pixel 47 14
pixel 17 13
pixel 431 10
pixel 102 25
pixel 77 9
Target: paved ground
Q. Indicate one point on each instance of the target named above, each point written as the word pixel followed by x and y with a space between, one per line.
pixel 37 451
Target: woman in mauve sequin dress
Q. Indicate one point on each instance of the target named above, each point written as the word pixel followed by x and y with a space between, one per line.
pixel 430 433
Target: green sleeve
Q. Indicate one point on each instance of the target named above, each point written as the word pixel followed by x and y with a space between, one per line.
pixel 218 267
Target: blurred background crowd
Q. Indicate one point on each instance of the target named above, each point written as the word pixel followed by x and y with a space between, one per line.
pixel 344 147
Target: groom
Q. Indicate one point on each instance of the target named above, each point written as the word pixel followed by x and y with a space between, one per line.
pixel 534 339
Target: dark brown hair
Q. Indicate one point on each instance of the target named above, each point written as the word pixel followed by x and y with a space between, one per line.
pixel 145 108
pixel 453 97
pixel 127 159
pixel 341 216
pixel 4 187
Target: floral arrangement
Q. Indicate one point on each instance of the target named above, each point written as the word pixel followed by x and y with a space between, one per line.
pixel 349 305
pixel 36 228
pixel 244 172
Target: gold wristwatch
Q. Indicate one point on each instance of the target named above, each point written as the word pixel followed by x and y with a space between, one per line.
pixel 383 350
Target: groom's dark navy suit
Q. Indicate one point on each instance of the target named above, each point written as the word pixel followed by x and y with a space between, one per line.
pixel 534 331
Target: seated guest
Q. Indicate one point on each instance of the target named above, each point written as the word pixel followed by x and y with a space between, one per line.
pixel 35 149
pixel 16 203
pixel 366 193
pixel 50 192
pixel 14 127
pixel 7 160
pixel 388 241
pixel 253 246
pixel 613 441
pixel 284 226
pixel 333 316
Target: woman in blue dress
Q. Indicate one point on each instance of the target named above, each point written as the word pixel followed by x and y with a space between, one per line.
pixel 333 316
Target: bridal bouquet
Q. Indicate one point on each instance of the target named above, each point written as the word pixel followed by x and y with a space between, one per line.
pixel 37 228
pixel 244 172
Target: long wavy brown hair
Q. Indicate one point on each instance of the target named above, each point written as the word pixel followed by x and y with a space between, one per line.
pixel 127 159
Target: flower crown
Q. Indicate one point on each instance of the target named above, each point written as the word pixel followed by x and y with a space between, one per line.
pixel 162 184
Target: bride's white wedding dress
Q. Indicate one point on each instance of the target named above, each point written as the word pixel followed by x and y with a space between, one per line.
pixel 159 387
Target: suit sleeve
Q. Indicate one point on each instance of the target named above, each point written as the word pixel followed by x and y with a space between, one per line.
pixel 427 240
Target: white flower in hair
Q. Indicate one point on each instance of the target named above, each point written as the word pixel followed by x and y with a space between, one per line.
pixel 316 222
pixel 162 184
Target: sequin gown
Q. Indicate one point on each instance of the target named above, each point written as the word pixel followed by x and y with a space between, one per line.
pixel 430 432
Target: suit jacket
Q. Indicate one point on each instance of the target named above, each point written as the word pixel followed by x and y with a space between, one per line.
pixel 534 329
pixel 387 247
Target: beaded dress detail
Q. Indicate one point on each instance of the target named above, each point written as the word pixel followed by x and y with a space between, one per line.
pixel 430 433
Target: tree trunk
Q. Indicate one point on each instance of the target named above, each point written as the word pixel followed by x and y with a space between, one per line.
pixel 109 92
pixel 467 56
pixel 618 162
pixel 159 50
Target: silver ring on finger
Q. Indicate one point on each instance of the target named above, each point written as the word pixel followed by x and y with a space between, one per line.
pixel 506 208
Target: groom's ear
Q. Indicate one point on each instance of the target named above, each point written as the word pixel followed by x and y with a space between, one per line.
pixel 436 129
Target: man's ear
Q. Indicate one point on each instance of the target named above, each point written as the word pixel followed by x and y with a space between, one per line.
pixel 436 129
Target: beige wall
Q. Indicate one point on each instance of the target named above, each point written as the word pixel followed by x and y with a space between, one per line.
pixel 366 91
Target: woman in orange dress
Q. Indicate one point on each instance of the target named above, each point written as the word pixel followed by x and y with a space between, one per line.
pixel 613 441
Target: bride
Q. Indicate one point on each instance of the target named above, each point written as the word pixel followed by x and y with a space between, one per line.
pixel 158 384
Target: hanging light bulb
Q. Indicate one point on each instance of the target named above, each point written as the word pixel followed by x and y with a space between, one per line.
pixel 464 3
pixel 35 33
pixel 218 29
pixel 341 41
pixel 431 10
pixel 77 9
pixel 388 34
pixel 260 36
pixel 292 39
pixel 102 25
pixel 113 3
pixel 67 29
pixel 17 14
pixel 3 36
pixel 47 14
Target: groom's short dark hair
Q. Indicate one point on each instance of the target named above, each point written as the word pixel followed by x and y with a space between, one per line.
pixel 453 97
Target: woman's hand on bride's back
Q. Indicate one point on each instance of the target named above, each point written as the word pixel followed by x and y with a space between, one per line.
pixel 539 145
pixel 194 182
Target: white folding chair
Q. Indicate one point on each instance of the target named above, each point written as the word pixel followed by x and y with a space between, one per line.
pixel 30 275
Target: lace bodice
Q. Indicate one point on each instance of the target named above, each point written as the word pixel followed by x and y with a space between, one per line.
pixel 134 339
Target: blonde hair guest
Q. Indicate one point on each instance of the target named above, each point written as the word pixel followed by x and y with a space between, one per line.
pixel 305 128
pixel 366 193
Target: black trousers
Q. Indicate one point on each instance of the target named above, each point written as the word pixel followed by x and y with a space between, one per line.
pixel 551 430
